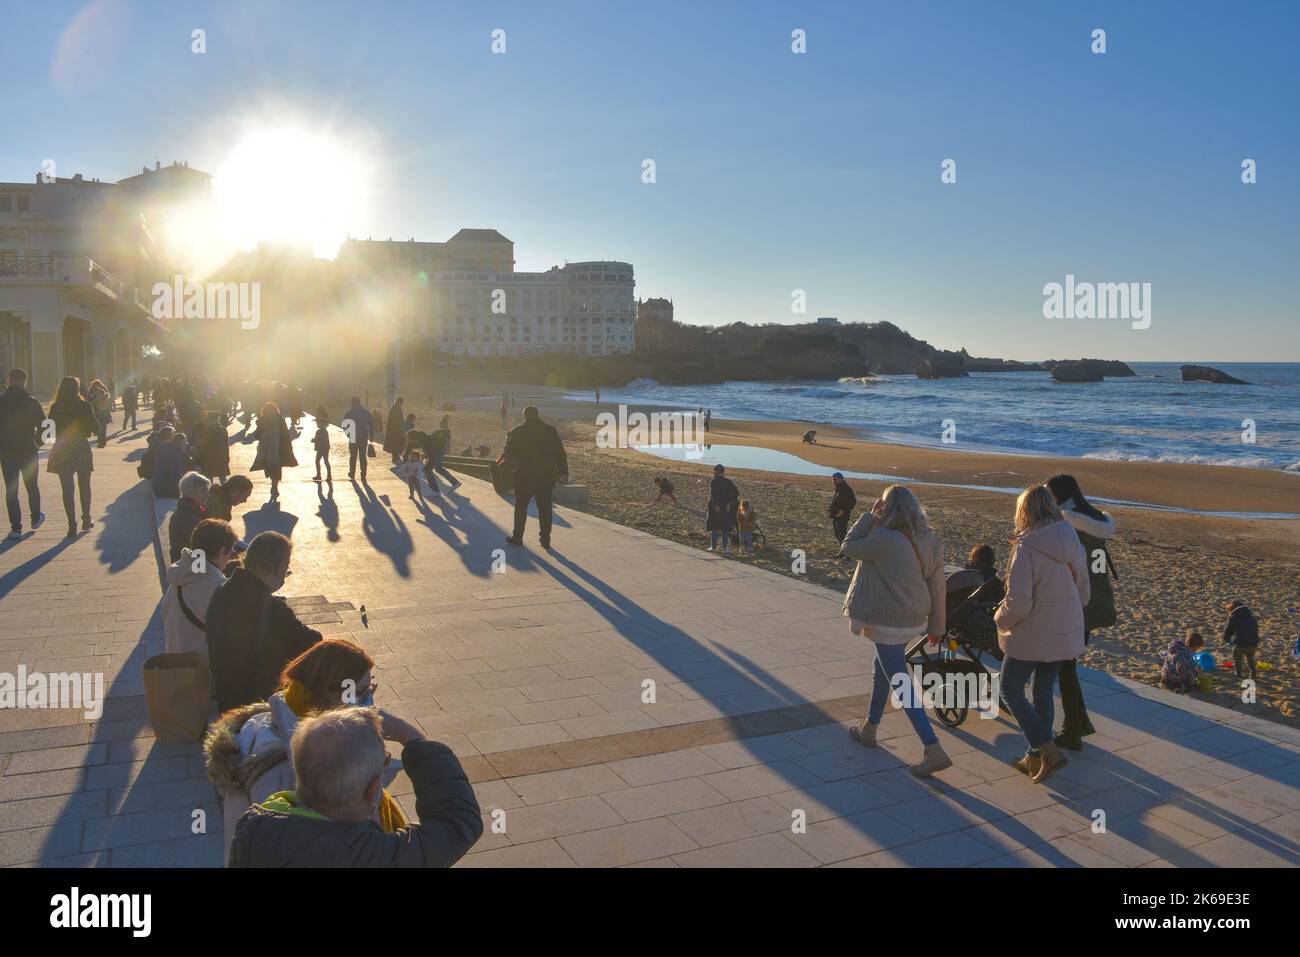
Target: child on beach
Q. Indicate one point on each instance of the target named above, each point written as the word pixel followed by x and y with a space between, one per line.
pixel 412 470
pixel 321 442
pixel 1180 670
pixel 665 488
pixel 1242 633
pixel 747 521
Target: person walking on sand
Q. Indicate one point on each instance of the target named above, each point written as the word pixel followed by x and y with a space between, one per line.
pixel 665 488
pixel 842 504
pixel 535 450
pixel 746 523
pixel 395 431
pixel 1242 633
pixel 896 595
pixel 504 410
pixel 724 499
pixel 1040 621
pixel 20 424
pixel 1095 528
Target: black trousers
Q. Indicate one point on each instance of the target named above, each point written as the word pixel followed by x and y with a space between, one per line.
pixel 82 477
pixel 1075 712
pixel 128 414
pixel 25 468
pixel 539 492
pixel 356 452
pixel 841 526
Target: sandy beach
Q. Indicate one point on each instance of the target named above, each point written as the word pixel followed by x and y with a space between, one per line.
pixel 1176 570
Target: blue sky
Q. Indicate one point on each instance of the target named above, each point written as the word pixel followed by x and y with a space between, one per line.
pixel 775 171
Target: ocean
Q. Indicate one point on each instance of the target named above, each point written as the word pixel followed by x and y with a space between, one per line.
pixel 1154 417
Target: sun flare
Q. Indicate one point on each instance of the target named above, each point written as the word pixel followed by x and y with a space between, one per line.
pixel 290 184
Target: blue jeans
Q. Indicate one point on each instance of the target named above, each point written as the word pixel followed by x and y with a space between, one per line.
pixel 892 660
pixel 715 537
pixel 747 541
pixel 1035 722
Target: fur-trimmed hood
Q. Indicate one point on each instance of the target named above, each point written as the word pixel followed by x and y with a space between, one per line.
pixel 1103 528
pixel 230 770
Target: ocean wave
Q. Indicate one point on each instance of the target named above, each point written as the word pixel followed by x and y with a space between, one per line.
pixel 641 384
pixel 1190 458
pixel 813 392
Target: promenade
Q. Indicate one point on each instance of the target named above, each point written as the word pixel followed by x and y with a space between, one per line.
pixel 538 670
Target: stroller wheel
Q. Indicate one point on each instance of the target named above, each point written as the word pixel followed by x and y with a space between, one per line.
pixel 950 717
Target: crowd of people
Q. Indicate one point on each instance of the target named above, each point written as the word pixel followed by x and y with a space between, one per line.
pixel 298 750
pixel 1056 592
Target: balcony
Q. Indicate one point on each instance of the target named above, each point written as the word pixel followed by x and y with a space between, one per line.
pixel 88 282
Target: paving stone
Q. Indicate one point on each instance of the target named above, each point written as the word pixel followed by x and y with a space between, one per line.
pixel 627 843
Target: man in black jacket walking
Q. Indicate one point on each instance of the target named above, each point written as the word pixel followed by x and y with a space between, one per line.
pixel 20 421
pixel 329 820
pixel 535 450
pixel 252 634
pixel 842 504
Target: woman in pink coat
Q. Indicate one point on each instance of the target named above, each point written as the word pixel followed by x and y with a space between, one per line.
pixel 1040 621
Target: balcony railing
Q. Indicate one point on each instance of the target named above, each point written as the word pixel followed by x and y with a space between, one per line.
pixel 76 271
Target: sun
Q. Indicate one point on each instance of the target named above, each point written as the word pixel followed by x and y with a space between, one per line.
pixel 288 182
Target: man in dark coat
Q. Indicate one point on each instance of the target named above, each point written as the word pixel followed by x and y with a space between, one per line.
pixel 535 450
pixel 724 499
pixel 842 504
pixel 20 421
pixel 328 820
pixel 130 406
pixel 251 633
pixel 395 431
pixel 356 424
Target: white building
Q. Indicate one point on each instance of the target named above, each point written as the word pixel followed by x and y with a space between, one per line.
pixel 463 297
pixel 77 261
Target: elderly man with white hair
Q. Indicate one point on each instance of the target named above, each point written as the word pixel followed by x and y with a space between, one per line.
pixel 189 512
pixel 330 820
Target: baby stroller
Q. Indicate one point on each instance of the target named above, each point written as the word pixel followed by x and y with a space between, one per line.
pixel 971 633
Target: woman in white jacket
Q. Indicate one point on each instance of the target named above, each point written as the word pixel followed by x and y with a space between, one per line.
pixel 897 595
pixel 190 584
pixel 1040 621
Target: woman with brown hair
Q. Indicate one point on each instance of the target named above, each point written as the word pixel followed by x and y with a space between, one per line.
pixel 274 446
pixel 70 457
pixel 247 748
